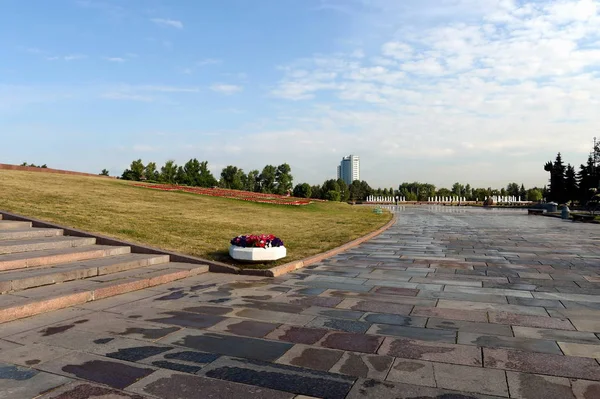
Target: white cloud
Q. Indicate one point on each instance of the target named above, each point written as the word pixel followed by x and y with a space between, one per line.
pixel 69 57
pixel 115 59
pixel 208 61
pixel 173 23
pixel 226 88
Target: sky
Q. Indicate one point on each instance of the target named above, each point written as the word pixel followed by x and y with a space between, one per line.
pixel 476 91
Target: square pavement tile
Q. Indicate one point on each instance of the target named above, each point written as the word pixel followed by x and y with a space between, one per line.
pixel 586 324
pixel 351 342
pixel 534 386
pixel 166 384
pixel 280 377
pixel 433 351
pixel 114 373
pixel 363 366
pixel 212 342
pixel 415 372
pixel 542 363
pixel 470 379
pixel 18 382
pixel 311 357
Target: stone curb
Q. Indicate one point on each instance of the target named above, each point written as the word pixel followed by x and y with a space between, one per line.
pixel 214 266
pixel 299 264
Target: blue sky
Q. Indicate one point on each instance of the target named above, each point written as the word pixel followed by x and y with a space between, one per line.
pixel 479 91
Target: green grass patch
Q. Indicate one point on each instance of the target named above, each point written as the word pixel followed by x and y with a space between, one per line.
pixel 188 223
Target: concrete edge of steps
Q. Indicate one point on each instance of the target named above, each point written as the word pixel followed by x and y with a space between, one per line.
pixel 31 307
pixel 13 224
pixel 29 232
pixel 214 266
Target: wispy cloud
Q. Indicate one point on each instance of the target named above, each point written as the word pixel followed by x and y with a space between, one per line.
pixel 173 23
pixel 70 57
pixel 127 96
pixel 226 88
pixel 115 59
pixel 105 7
pixel 145 93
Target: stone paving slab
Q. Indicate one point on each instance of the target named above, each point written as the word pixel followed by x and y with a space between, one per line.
pixel 443 305
pixel 17 382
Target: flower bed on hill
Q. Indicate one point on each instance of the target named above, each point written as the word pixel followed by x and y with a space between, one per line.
pixel 233 194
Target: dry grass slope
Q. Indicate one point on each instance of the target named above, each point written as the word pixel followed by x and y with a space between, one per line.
pixel 192 224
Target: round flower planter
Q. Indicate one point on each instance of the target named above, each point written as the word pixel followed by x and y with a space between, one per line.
pixel 256 254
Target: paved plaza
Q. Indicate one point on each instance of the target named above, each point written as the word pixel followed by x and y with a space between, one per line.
pixel 449 303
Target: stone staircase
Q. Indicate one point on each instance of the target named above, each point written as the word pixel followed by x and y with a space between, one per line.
pixel 41 270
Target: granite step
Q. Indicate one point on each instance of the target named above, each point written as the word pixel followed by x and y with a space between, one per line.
pixel 11 281
pixel 51 257
pixel 39 244
pixel 13 224
pixel 27 233
pixel 49 298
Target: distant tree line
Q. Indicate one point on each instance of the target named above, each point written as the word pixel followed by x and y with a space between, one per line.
pixel 272 180
pixel 33 165
pixel 567 185
pixel 422 191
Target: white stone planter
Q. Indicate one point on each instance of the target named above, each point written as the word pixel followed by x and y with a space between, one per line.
pixel 257 254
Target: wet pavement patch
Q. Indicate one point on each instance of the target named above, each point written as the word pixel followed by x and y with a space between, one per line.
pixel 9 372
pixel 56 330
pixel 236 346
pixel 172 296
pixel 114 374
pixel 103 340
pixel 212 310
pixel 150 333
pixel 194 288
pixel 86 391
pixel 138 353
pixel 250 328
pixel 186 319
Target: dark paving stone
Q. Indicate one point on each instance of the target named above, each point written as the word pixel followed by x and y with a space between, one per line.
pixel 193 357
pixel 339 324
pixel 352 342
pixel 172 296
pixel 184 368
pixel 9 372
pixel 524 344
pixel 56 330
pixel 311 357
pixel 186 319
pixel 275 306
pixel 397 320
pixel 211 310
pixel 250 348
pixel 383 307
pixel 298 335
pixel 470 326
pixel 150 333
pixel 113 374
pixel 102 341
pixel 328 302
pixel 337 286
pixel 179 386
pixel 138 353
pixel 337 313
pixel 581 305
pixel 251 328
pixel 424 334
pixel 79 390
pixel 281 377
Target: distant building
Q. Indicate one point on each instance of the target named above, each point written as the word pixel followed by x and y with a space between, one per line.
pixel 349 169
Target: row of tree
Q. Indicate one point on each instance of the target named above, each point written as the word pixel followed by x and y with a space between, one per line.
pixel 31 165
pixel 422 191
pixel 567 185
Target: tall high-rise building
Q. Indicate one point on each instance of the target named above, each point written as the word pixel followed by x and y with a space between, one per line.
pixel 349 169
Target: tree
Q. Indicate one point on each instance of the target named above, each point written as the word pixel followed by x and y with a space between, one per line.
pixel 206 178
pixel 330 185
pixel 468 192
pixel 571 188
pixel 458 189
pixel 502 192
pixel 444 192
pixel 104 172
pixel 168 172
pixel 150 172
pixel 586 180
pixel 316 192
pixel 232 178
pixel 512 189
pixel 557 179
pixel 181 176
pixel 332 196
pixel 302 190
pixel 135 171
pixel 522 192
pixel 268 177
pixel 284 179
pixel 192 172
pixel 534 195
pixel 344 192
pixel 385 192
pixel 252 183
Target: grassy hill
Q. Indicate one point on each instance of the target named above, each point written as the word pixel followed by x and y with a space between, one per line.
pixel 192 224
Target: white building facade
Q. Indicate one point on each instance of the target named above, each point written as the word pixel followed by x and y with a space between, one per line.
pixel 349 169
